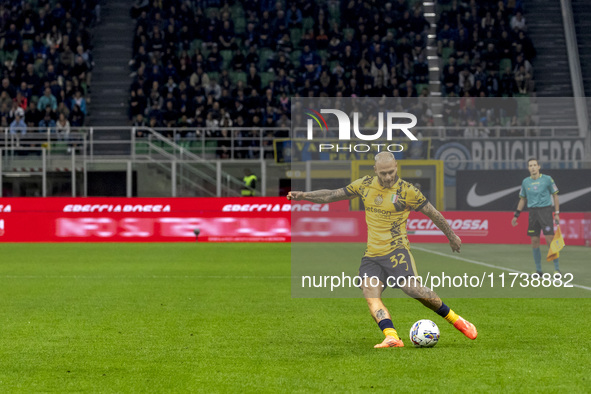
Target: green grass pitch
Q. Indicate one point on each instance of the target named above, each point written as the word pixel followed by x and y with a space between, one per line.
pixel 220 318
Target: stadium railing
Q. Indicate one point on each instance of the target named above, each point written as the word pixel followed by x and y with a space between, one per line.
pixel 170 177
pixel 239 143
pixel 446 132
pixel 178 169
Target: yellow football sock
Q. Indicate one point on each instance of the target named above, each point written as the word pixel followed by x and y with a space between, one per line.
pixel 452 317
pixel 392 332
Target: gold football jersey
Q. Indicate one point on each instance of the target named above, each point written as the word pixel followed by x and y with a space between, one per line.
pixel 386 212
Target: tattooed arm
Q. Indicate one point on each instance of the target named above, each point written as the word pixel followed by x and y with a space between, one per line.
pixel 321 196
pixel 454 241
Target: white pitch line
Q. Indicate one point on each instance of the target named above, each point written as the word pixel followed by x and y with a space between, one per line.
pixel 483 263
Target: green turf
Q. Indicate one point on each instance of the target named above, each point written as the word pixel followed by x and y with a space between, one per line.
pixel 477 263
pixel 220 318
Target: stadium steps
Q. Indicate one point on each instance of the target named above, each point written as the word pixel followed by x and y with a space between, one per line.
pixel 544 21
pixel 582 16
pixel 111 75
pixel 433 61
pixel 154 179
pixel 551 69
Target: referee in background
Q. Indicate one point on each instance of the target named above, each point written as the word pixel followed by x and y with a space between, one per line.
pixel 538 191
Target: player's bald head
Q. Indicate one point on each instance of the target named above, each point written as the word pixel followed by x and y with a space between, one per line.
pixel 384 157
pixel 385 168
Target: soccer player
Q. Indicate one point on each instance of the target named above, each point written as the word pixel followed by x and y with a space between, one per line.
pixel 388 201
pixel 538 191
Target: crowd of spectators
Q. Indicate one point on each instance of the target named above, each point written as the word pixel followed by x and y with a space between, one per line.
pixel 486 49
pixel 46 63
pixel 487 53
pixel 213 64
pixel 222 63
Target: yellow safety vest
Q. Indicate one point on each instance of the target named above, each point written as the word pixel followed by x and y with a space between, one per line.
pixel 248 182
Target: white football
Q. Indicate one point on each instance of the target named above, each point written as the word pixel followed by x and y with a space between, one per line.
pixel 424 333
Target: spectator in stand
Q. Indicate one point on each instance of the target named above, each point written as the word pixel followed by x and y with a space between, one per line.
pixel 450 81
pixel 12 39
pixel 490 57
pixel 18 125
pixel 213 89
pixel 47 100
pixel 294 17
pixel 32 115
pixel 527 46
pixel 214 60
pixel 227 37
pixel 54 37
pixel 505 45
pixel 523 81
pixel 253 80
pixel 28 29
pixel 20 100
pixel 518 22
pixel 421 70
pixel 76 116
pixel 521 62
pixel 252 56
pixel 79 101
pixel 170 115
pixel 284 46
pixel 139 121
pixel 47 123
pixel 8 88
pixel 466 78
pixel 238 62
pixel 62 127
pixel 446 37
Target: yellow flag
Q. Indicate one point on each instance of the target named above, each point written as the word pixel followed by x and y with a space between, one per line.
pixel 556 245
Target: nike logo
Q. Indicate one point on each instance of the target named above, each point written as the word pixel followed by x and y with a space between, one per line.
pixel 562 198
pixel 474 200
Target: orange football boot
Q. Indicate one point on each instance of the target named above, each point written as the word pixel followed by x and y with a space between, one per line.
pixel 390 341
pixel 466 328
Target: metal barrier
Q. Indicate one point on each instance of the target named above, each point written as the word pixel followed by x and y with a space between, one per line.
pixel 190 164
pixel 230 143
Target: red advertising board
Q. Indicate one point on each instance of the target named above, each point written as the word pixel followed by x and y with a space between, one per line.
pixel 494 227
pixel 253 219
pixel 471 226
pixel 144 219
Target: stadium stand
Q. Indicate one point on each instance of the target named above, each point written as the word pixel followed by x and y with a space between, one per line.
pixel 553 78
pixel 46 62
pixel 582 16
pixel 485 49
pixel 214 78
pixel 210 63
